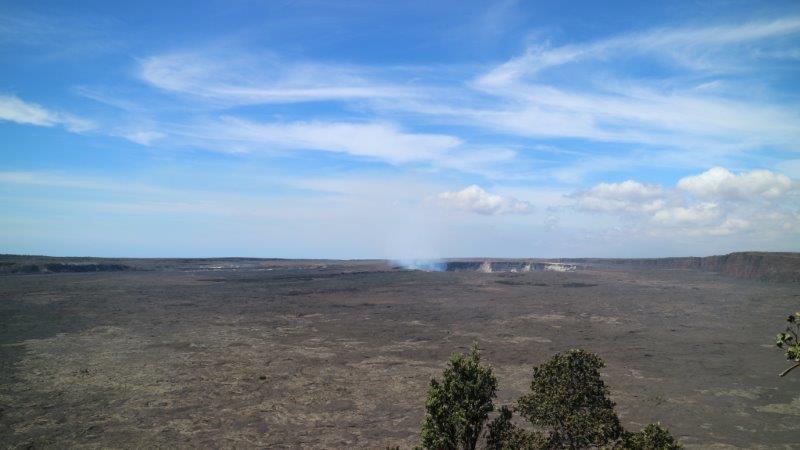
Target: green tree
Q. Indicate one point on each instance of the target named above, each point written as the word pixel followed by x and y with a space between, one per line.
pixel 458 406
pixel 569 402
pixel 501 431
pixel 789 341
pixel 504 435
pixel 652 437
pixel 568 407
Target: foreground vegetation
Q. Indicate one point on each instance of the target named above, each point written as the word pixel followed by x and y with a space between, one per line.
pixel 789 341
pixel 568 407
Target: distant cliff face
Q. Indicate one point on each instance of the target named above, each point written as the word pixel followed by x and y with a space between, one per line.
pixel 764 266
pixel 60 268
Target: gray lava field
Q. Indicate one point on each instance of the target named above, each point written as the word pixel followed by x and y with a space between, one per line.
pixel 338 354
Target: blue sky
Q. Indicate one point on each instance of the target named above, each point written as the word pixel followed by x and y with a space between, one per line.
pixel 399 129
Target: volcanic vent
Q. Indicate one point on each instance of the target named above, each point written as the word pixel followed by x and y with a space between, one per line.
pixel 489 265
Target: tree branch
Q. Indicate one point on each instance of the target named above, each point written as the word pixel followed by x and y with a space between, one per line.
pixel 790 369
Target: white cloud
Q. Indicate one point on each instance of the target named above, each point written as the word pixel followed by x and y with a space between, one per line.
pixel 14 109
pixel 382 141
pixel 758 203
pixel 666 114
pixel 476 200
pixel 692 109
pixel 721 183
pixel 730 226
pixel 607 104
pixel 237 78
pixel 700 213
pixel 637 112
pixel 628 196
pixel 677 43
pixel 144 137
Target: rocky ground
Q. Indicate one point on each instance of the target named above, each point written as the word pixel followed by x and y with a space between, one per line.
pixel 291 354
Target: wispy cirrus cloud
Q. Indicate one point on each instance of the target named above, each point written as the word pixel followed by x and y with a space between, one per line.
pixel 596 98
pixel 143 137
pixel 683 112
pixel 639 114
pixel 377 140
pixel 14 109
pixel 678 44
pixel 242 78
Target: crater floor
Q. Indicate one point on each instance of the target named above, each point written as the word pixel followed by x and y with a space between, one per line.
pixel 333 354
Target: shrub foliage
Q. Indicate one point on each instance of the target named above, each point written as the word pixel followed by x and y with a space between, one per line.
pixel 569 401
pixel 789 341
pixel 459 404
pixel 652 437
pixel 504 435
pixel 568 407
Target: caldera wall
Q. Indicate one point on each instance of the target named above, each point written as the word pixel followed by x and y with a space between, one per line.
pixel 764 266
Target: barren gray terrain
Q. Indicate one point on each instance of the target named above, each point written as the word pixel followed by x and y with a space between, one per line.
pixel 327 354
